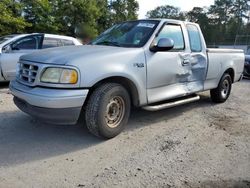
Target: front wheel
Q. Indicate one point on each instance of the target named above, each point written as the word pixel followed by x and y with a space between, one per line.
pixel 108 110
pixel 222 92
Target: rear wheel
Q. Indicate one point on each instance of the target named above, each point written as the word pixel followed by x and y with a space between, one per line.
pixel 222 92
pixel 108 110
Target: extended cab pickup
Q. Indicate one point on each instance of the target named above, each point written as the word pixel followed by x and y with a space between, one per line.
pixel 153 64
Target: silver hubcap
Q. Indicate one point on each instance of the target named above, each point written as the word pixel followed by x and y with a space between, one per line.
pixel 115 111
pixel 225 88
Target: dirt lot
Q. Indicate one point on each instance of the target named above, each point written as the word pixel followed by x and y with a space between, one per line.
pixel 196 145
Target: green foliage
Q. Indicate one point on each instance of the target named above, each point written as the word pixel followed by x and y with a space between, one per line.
pixel 74 15
pixel 82 18
pixel 39 13
pixel 114 11
pixel 220 23
pixel 11 20
pixel 166 11
pixel 199 15
pixel 104 21
pixel 122 10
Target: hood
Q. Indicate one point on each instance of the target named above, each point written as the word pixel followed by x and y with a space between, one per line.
pixel 71 54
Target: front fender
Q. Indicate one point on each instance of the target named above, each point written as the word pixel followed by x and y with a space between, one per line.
pixel 139 84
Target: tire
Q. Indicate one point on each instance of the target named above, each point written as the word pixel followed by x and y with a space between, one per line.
pixel 222 92
pixel 108 110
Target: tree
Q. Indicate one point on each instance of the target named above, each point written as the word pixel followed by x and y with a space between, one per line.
pixel 104 21
pixel 40 14
pixel 166 11
pixel 240 10
pixel 11 20
pixel 199 15
pixel 115 11
pixel 74 16
pixel 85 18
pixel 220 15
pixel 226 18
pixel 123 10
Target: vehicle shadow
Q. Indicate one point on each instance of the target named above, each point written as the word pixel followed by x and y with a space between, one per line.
pixel 24 139
pixel 4 85
pixel 240 183
pixel 140 118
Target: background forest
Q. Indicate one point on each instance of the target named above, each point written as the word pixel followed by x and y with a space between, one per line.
pixel 220 23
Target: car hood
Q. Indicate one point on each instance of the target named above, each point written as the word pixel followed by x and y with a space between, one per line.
pixel 70 55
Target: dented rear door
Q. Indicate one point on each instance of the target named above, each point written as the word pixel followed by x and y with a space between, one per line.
pixel 197 60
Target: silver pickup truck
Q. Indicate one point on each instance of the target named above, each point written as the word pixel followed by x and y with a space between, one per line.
pixel 153 64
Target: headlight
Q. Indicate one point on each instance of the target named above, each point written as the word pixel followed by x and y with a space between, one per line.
pixel 59 76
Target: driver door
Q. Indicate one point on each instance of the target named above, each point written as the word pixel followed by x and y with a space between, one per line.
pixel 16 49
pixel 168 71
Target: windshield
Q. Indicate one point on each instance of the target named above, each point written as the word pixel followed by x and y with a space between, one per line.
pixel 127 34
pixel 5 38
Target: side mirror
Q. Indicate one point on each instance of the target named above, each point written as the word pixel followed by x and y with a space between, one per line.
pixel 164 44
pixel 6 49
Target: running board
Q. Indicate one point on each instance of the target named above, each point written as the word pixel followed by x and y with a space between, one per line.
pixel 171 104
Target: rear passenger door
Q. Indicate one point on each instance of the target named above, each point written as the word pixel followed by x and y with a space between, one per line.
pixel 198 59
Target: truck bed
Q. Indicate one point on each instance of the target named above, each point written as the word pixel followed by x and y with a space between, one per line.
pixel 220 60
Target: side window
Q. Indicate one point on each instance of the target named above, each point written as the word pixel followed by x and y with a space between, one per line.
pixel 67 42
pixel 50 43
pixel 194 38
pixel 173 32
pixel 27 43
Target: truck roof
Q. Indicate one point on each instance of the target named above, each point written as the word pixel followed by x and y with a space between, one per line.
pixel 169 20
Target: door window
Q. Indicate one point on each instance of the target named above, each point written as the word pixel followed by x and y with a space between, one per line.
pixel 51 43
pixel 194 38
pixel 27 43
pixel 173 32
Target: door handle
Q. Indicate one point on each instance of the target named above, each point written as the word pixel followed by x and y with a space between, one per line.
pixel 185 62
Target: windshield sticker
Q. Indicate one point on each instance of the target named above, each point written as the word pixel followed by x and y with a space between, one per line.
pixel 150 25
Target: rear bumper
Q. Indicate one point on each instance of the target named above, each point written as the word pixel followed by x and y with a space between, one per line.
pixel 57 106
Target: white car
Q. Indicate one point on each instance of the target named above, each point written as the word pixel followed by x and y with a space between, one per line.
pixel 14 46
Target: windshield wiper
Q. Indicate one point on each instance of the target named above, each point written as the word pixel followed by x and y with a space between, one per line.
pixel 108 43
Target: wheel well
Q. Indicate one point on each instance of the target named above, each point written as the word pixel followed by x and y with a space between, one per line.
pixel 125 82
pixel 230 71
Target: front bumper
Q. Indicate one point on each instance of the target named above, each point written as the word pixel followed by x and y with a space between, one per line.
pixel 57 106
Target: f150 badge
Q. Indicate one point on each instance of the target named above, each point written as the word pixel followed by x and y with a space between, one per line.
pixel 139 65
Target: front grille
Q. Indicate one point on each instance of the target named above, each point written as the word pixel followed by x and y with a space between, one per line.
pixel 27 72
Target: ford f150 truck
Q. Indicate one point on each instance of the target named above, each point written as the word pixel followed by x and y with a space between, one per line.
pixel 153 64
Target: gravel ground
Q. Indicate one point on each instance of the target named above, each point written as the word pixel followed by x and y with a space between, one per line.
pixel 200 144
